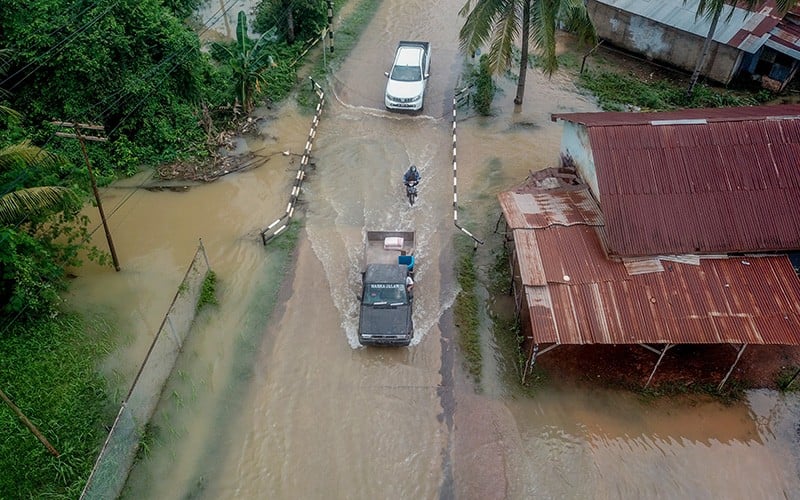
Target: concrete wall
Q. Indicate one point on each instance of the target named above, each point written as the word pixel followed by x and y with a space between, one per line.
pixel 575 144
pixel 662 43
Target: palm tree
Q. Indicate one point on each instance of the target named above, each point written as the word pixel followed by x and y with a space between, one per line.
pixel 501 22
pixel 34 202
pixel 712 9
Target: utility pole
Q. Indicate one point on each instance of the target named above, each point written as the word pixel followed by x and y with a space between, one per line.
pixel 81 137
pixel 330 24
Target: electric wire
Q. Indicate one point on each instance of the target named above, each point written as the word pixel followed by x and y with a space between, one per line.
pixel 155 69
pixel 53 134
pixel 63 44
pixel 60 45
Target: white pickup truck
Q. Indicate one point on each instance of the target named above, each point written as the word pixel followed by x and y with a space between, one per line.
pixel 405 89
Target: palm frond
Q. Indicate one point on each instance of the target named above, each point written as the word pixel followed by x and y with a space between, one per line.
pixel 26 154
pixel 480 23
pixel 35 202
pixel 714 8
pixel 575 19
pixel 544 16
pixel 504 36
pixel 785 5
pixel 8 111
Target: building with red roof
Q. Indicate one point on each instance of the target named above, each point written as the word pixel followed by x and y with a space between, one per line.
pixel 675 229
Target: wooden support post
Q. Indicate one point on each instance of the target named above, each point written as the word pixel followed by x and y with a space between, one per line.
pixel 29 425
pixel 791 380
pixel 78 135
pixel 660 357
pixel 330 23
pixel 738 356
pixel 530 361
pixel 583 62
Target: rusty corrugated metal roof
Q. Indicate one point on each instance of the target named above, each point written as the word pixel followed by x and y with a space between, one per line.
pixel 575 294
pixel 785 37
pixel 531 209
pixel 698 181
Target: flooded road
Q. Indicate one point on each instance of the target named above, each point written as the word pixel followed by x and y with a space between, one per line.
pixel 291 407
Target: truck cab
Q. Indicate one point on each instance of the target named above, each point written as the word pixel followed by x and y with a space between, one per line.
pixel 385 316
pixel 408 77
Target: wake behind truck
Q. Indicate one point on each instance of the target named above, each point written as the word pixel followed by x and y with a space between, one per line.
pixel 386 301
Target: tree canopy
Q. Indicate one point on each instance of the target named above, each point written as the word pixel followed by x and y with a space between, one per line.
pixel 130 65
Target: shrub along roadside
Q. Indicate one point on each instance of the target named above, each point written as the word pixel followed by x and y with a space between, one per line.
pixel 484 87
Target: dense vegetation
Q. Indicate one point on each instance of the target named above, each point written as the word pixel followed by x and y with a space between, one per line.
pixel 292 20
pixel 137 69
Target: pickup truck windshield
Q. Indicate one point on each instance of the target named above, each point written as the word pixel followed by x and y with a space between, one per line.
pixel 406 74
pixel 385 293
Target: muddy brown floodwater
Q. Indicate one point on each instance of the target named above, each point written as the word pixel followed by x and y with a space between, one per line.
pixel 291 406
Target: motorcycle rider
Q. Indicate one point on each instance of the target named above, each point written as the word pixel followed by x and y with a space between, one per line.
pixel 411 177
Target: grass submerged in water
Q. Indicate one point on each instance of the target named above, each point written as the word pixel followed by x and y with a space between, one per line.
pixel 466 309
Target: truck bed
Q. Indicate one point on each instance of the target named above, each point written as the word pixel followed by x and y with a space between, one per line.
pixel 377 251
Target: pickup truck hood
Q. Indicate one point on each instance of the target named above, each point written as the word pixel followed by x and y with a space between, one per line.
pixel 382 320
pixel 405 90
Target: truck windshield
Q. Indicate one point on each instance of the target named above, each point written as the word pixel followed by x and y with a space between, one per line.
pixel 385 293
pixel 406 74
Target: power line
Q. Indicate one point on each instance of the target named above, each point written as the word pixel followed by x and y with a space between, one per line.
pixel 162 64
pixel 24 174
pixel 60 45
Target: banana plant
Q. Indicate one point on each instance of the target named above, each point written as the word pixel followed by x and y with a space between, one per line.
pixel 249 60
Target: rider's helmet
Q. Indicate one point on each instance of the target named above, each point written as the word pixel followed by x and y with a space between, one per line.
pixel 413 169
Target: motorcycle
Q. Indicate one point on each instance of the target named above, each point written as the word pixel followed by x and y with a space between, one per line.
pixel 411 192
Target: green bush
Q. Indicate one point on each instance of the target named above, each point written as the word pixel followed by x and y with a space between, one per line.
pixel 30 280
pixel 208 293
pixel 294 21
pixel 484 87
